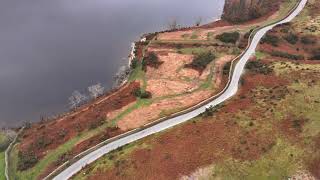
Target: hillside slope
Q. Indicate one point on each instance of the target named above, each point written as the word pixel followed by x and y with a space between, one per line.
pixel 270 130
pixel 244 10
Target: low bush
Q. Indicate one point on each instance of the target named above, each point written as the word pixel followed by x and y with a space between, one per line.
pixel 211 110
pixel 258 67
pixel 287 55
pixel 134 63
pixel 247 35
pixel 232 37
pixel 63 158
pixel 26 160
pixel 291 38
pixel 62 133
pixel 141 93
pixel 179 46
pixel 297 124
pixel 242 81
pixel 307 40
pixel 226 68
pixel 316 54
pixel 96 124
pixel 42 142
pixel 202 60
pixel 270 39
pixel 151 60
pixel 27 125
pixel 285 30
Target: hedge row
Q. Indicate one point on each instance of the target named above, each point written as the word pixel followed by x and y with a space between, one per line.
pixel 287 55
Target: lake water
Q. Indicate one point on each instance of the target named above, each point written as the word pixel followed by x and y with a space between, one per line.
pixel 49 48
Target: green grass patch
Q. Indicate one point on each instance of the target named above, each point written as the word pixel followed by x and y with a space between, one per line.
pixel 137 73
pixel 168 112
pixel 235 51
pixel 13 156
pixel 283 68
pixel 3 137
pixel 193 51
pixel 4 141
pixel 306 22
pixel 51 156
pixel 207 84
pixel 305 99
pixel 194 36
pixel 113 159
pixel 210 36
pixel 285 8
pixel 305 104
pixel 279 163
pixel 2 165
pixel 260 55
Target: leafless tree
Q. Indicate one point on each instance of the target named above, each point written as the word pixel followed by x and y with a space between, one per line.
pixel 198 21
pixel 96 90
pixel 173 24
pixel 76 99
pixel 9 133
pixel 121 76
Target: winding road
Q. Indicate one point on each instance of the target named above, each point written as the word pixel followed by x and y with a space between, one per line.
pixel 230 91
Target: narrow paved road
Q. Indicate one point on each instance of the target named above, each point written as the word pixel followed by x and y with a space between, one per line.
pixel 231 91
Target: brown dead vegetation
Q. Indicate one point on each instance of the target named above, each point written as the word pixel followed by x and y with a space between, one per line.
pixel 44 136
pixel 292 127
pixel 197 144
pixel 184 149
pixel 314 167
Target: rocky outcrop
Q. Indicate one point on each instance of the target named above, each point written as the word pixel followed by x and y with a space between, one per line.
pixel 244 10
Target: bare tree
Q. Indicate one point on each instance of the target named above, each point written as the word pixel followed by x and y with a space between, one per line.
pixel 121 76
pixel 96 90
pixel 76 99
pixel 173 24
pixel 198 21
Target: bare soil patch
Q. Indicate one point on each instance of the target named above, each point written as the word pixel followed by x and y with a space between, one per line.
pixel 170 77
pixel 150 113
pixel 163 87
pixel 171 64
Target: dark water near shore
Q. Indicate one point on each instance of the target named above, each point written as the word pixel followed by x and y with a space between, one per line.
pixel 49 48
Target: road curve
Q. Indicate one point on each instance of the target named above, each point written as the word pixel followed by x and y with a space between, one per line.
pixel 230 91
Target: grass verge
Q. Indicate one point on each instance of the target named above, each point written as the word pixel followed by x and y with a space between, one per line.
pixel 2 166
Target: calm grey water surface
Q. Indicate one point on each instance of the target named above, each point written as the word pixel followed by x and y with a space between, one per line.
pixel 49 48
